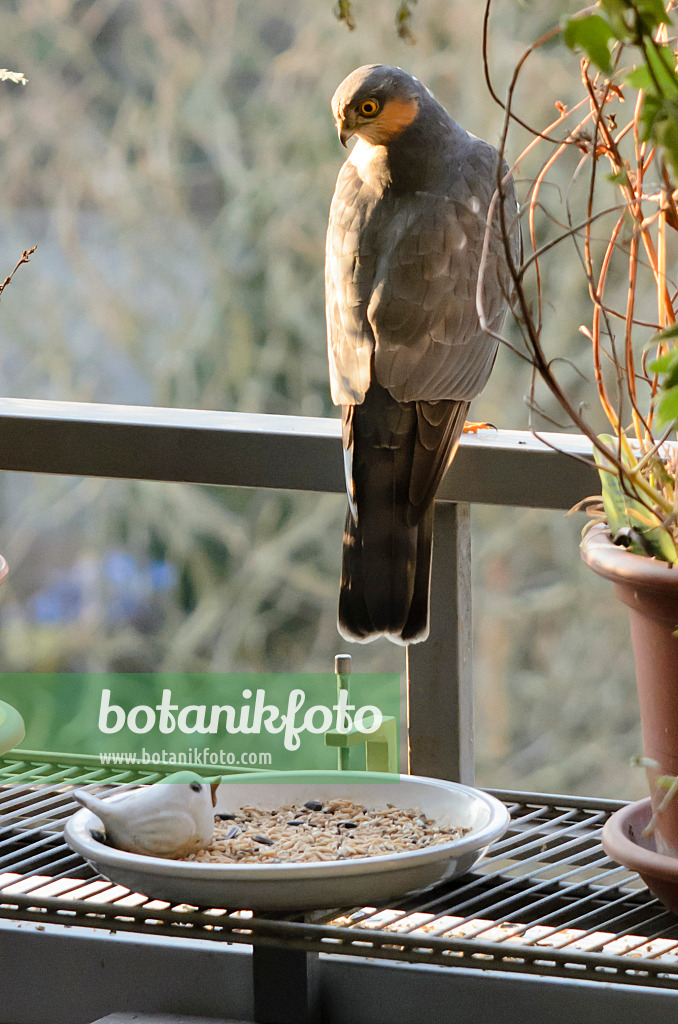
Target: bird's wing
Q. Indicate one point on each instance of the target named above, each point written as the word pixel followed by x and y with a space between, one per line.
pixel 350 261
pixel 428 340
pixel 401 277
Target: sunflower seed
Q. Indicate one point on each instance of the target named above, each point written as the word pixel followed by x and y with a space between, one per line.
pixel 264 840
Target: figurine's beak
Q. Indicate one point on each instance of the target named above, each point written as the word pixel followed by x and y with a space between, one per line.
pixel 344 133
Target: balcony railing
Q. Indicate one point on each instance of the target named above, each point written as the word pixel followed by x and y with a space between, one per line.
pixel 547 921
pixel 303 453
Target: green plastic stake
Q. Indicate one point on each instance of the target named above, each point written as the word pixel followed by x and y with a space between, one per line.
pixel 381 746
pixel 381 749
pixel 342 668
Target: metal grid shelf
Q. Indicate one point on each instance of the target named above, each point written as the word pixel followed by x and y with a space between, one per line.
pixel 547 900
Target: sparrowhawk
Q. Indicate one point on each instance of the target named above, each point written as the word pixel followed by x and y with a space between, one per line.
pixel 407 352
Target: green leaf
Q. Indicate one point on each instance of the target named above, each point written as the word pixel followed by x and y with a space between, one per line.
pixel 664 130
pixel 631 19
pixel 614 500
pixel 617 12
pixel 667 332
pixel 667 409
pixel 619 177
pixel 662 364
pixel 622 510
pixel 665 781
pixel 653 12
pixel 649 114
pixel 666 364
pixel 662 62
pixel 593 35
pixel 640 78
pixel 659 111
pixel 662 544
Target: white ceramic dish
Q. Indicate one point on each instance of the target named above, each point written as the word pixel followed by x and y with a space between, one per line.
pixel 360 881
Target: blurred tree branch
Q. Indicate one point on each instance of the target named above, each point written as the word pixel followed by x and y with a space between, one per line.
pixel 13 76
pixel 343 11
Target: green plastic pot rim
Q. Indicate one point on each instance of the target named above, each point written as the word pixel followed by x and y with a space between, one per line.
pixel 12 728
pixel 621 566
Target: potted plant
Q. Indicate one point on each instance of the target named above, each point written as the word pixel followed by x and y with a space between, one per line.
pixel 617 204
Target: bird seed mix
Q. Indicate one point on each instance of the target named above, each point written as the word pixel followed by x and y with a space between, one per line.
pixel 315 831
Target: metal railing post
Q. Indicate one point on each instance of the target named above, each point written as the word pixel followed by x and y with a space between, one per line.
pixel 439 671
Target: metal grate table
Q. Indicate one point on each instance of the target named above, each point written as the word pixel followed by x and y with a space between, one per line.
pixel 546 901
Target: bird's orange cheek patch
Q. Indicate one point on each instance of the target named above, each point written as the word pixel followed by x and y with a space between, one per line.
pixel 394 119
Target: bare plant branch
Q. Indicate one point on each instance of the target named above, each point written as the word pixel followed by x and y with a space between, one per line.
pixel 25 258
pixel 635 248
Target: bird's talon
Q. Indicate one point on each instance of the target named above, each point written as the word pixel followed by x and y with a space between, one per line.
pixel 473 428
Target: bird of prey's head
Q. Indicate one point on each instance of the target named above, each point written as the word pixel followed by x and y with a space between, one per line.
pixel 376 103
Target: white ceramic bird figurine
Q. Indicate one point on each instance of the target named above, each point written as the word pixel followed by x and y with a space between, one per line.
pixel 172 818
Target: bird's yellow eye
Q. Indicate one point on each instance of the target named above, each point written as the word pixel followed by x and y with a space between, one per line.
pixel 368 108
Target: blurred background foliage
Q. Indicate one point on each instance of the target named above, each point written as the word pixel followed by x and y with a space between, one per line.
pixel 174 161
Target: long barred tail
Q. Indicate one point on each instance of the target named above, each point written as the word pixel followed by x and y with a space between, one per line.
pixel 386 565
pixel 397 453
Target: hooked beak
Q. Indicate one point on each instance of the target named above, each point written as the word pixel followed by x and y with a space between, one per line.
pixel 344 133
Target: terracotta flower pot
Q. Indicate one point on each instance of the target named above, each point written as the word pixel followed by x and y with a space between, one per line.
pixel 649 588
pixel 624 841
